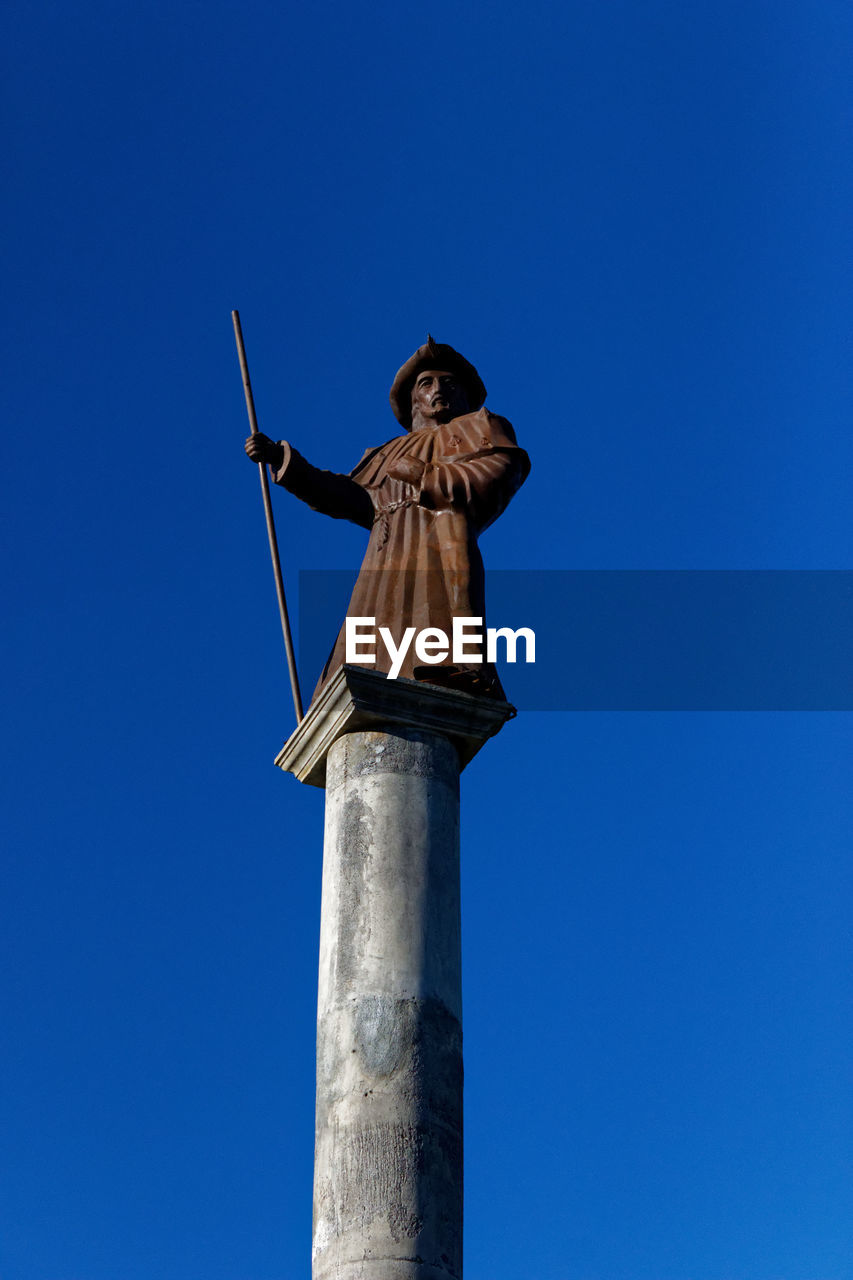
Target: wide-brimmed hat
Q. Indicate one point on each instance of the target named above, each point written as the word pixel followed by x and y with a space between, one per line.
pixel 434 355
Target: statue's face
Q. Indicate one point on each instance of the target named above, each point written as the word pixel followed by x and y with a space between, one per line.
pixel 437 396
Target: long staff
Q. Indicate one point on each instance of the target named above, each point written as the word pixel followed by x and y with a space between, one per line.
pixel 265 490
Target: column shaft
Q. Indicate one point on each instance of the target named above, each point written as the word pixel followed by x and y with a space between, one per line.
pixel 388 1154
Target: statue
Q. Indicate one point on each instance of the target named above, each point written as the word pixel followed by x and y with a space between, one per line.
pixel 425 497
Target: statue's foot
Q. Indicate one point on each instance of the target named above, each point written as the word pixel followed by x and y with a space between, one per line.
pixel 482 681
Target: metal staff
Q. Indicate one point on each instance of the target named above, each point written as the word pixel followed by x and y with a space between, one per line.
pixel 265 490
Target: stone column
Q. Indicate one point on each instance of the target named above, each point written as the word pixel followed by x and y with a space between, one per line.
pixel 388 1151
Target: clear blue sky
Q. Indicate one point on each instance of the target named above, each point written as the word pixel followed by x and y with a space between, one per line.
pixel 635 219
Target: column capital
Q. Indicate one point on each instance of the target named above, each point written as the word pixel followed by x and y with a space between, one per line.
pixel 358 698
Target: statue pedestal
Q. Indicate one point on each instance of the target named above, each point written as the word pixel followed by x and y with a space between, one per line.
pixel 388 1152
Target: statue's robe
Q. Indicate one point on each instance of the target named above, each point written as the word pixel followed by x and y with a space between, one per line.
pixel 422 566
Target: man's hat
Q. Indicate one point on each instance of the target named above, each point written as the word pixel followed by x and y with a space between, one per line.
pixel 434 355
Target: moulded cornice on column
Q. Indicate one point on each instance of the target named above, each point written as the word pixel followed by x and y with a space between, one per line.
pixel 357 698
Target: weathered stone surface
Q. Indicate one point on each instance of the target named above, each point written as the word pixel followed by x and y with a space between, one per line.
pixel 358 698
pixel 388 1159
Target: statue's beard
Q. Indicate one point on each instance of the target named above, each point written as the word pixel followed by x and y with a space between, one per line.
pixel 436 415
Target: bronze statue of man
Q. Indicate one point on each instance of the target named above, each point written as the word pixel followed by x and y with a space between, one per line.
pixel 425 497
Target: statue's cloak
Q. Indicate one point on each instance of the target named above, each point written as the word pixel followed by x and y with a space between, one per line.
pixel 422 566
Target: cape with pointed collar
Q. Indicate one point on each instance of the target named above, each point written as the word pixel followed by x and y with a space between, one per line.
pixel 422 566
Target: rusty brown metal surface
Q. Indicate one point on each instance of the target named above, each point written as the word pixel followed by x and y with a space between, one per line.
pixel 425 496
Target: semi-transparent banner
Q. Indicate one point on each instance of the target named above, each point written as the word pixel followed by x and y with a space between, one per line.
pixel 617 640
